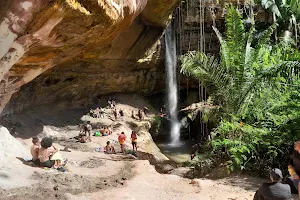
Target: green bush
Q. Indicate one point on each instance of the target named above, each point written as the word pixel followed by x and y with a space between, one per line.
pixel 253 149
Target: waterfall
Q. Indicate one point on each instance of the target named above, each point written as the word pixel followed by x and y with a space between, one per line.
pixel 171 70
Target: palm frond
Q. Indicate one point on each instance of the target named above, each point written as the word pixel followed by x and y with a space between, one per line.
pixel 207 69
pixel 235 32
pixel 225 52
pixel 265 36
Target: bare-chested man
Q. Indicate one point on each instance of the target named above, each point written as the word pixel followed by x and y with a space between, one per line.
pixel 45 152
pixel 109 149
pixel 34 150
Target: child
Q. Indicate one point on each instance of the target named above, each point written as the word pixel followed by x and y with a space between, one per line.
pixel 34 150
pixel 134 140
pixel 122 138
pixel 109 149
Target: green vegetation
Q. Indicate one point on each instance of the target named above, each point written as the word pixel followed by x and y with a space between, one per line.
pixel 255 86
pixel 286 13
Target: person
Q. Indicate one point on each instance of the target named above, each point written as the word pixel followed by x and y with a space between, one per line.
pixel 109 149
pixel 122 138
pixel 91 113
pixel 113 102
pixel 134 140
pixel 81 128
pixel 162 113
pixel 294 169
pixel 34 150
pixel 102 130
pixel 121 113
pixel 140 114
pixel 275 190
pixel 110 129
pixel 89 129
pixel 132 114
pixel 146 110
pixel 101 112
pixel 97 112
pixel 45 152
pixel 115 114
pixel 106 132
pixel 83 138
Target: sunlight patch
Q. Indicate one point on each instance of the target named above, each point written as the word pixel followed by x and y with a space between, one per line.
pixel 77 6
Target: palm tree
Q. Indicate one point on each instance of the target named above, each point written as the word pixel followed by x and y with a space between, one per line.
pixel 243 68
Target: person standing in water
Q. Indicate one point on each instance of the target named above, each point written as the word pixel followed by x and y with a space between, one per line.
pixel 134 140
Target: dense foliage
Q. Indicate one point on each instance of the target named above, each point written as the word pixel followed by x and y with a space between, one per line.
pixel 255 87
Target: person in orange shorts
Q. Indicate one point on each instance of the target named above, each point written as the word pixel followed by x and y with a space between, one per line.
pixel 134 140
pixel 122 138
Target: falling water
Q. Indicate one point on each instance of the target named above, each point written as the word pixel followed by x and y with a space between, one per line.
pixel 171 64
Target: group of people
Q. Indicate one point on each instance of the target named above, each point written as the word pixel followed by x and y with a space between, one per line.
pixel 45 154
pixel 97 113
pixel 85 132
pixel 276 189
pixel 122 139
pixel 141 113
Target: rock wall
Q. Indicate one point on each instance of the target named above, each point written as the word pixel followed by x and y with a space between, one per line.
pixel 75 49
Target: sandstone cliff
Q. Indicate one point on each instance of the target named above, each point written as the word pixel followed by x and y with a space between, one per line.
pixel 75 49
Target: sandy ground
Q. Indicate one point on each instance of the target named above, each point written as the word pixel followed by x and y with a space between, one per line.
pixel 150 185
pixel 94 175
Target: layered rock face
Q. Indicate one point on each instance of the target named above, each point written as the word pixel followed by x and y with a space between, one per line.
pixel 73 50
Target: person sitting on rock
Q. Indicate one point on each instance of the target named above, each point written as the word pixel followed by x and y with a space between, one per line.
pixel 275 190
pixel 106 132
pixel 121 139
pixel 294 170
pixel 46 151
pixel 109 149
pixel 102 129
pixel 83 137
pixel 110 129
pixel 34 150
pixel 49 156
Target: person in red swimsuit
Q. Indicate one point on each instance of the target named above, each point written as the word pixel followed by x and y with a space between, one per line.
pixel 134 140
pixel 122 138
